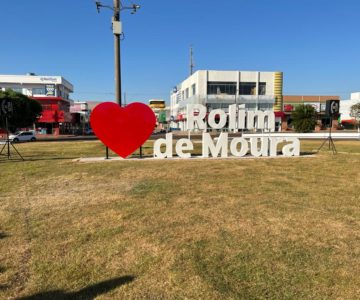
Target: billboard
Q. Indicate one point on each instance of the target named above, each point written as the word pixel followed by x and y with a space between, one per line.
pixel 162 117
pixel 50 90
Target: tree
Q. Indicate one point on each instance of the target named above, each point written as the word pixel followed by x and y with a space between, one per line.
pixel 304 118
pixel 355 113
pixel 25 110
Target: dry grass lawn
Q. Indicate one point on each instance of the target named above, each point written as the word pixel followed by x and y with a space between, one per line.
pixel 286 228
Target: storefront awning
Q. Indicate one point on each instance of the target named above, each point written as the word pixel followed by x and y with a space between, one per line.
pixel 279 114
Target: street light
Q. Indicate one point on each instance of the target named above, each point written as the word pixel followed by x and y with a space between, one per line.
pixel 117 31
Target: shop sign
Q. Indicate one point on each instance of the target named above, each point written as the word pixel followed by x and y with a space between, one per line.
pixel 50 79
pixel 50 90
pixel 124 130
pixel 288 107
pixel 162 116
pixel 180 117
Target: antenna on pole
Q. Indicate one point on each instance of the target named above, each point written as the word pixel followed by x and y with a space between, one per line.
pixel 191 60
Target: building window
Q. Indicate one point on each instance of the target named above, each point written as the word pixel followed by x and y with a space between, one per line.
pixel 193 88
pixel 216 88
pixel 262 88
pixel 265 106
pixel 247 88
pixel 183 95
pixel 17 90
pixel 250 106
pixel 223 106
pixel 187 93
pixel 38 91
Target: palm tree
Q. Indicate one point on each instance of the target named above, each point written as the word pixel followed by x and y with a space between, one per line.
pixel 304 118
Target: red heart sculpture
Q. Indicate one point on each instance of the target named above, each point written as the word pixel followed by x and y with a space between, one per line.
pixel 123 129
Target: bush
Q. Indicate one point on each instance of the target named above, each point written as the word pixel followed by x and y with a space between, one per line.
pixel 304 118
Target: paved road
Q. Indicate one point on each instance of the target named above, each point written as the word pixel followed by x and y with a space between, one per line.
pixel 197 136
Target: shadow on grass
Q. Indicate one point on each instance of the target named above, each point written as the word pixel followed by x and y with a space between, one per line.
pixel 2 287
pixel 303 153
pixel 3 235
pixel 87 293
pixel 34 158
pixel 5 160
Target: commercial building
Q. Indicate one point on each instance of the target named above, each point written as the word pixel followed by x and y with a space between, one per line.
pixel 345 107
pixel 53 93
pixel 252 90
pixel 162 113
pixel 80 117
pixel 318 102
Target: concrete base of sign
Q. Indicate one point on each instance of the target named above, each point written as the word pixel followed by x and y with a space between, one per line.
pixel 111 159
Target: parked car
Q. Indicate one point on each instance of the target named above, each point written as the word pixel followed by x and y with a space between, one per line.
pixel 161 131
pixel 89 131
pixel 22 136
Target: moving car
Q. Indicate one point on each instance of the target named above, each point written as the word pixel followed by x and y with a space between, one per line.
pixel 22 136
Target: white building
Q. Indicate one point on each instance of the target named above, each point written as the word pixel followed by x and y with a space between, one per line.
pixel 345 107
pixel 37 86
pixel 52 92
pixel 218 89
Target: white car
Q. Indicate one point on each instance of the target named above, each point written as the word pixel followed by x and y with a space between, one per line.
pixel 23 136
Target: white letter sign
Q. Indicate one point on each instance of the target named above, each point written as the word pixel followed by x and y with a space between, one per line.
pixel 236 119
pixel 196 114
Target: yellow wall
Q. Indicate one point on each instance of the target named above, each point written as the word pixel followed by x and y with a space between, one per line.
pixel 278 91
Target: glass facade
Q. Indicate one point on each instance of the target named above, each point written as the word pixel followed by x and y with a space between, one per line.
pixel 262 88
pixel 247 88
pixel 39 91
pixel 217 88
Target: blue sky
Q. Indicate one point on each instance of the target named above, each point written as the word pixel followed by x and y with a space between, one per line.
pixel 314 42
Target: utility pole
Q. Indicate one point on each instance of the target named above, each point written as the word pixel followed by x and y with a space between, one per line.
pixel 191 61
pixel 117 31
pixel 117 61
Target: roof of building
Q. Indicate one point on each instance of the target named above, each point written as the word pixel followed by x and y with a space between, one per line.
pixel 308 98
pixel 36 79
